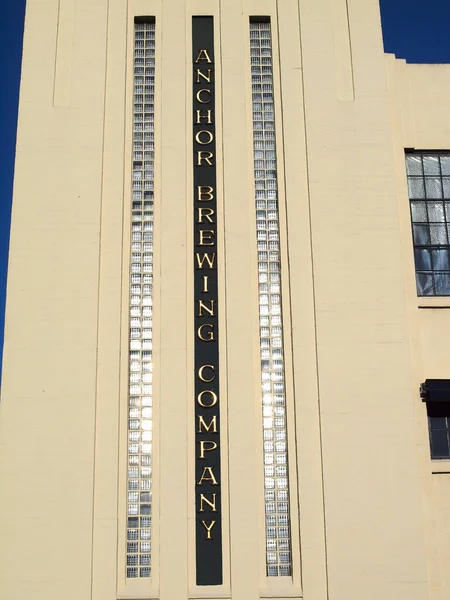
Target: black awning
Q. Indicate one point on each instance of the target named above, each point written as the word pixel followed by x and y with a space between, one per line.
pixel 435 390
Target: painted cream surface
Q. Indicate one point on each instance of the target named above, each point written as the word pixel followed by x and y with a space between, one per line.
pixel 369 509
pixel 420 120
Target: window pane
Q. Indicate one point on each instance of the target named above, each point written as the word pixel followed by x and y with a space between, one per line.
pixel 446 184
pixel 445 165
pixel 437 421
pixel 439 444
pixel 424 284
pixel 418 212
pixel 436 211
pixel 421 235
pixel 416 188
pixel 438 234
pixel 414 164
pixel 440 260
pixel 431 165
pixel 422 259
pixel 433 187
pixel 442 284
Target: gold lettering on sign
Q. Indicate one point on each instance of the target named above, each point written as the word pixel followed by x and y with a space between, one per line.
pixel 205 213
pixel 209 309
pixel 206 237
pixel 205 190
pixel 202 133
pixel 202 376
pixel 214 399
pixel 205 284
pixel 204 448
pixel 202 424
pixel 206 77
pixel 200 117
pixel 201 92
pixel 206 156
pixel 203 55
pixel 211 503
pixel 207 475
pixel 208 258
pixel 208 336
pixel 208 528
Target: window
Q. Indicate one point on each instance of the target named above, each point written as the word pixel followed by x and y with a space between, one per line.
pixel 436 393
pixel 140 398
pixel 273 397
pixel 439 429
pixel 429 195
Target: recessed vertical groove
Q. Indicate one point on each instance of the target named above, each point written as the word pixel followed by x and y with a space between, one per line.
pixel 343 51
pixel 64 52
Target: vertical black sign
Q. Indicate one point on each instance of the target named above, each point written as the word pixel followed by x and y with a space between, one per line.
pixel 207 402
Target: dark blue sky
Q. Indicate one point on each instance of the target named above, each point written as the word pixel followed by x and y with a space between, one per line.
pixel 417 30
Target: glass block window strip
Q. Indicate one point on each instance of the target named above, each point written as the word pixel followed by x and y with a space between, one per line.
pixel 276 485
pixel 140 398
pixel 429 194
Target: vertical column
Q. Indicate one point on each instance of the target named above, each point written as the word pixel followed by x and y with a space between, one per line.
pixel 175 266
pixel 245 476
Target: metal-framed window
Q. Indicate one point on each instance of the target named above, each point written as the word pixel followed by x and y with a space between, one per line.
pixel 439 429
pixel 429 195
pixel 273 395
pixel 140 398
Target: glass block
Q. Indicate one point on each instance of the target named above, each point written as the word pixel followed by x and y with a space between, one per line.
pixel 145 509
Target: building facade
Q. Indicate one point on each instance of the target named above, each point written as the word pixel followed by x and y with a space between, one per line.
pixel 262 170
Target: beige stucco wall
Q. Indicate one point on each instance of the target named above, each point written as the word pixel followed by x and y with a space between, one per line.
pixel 418 97
pixel 365 505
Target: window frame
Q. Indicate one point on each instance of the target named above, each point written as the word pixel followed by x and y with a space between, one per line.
pixel 431 257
